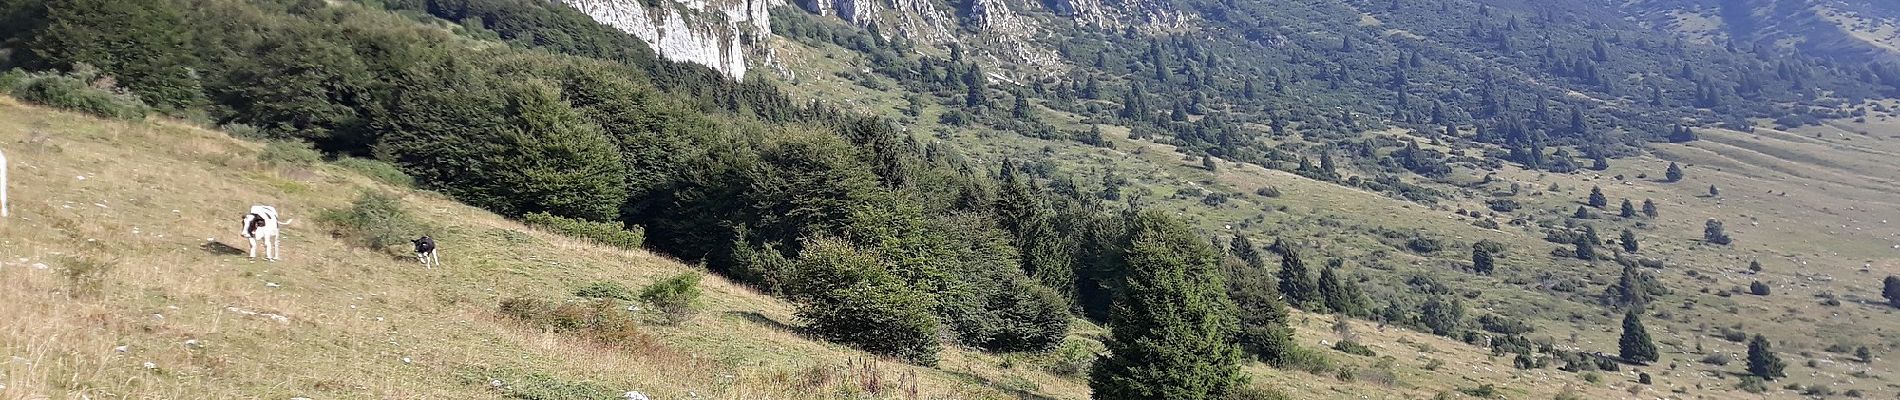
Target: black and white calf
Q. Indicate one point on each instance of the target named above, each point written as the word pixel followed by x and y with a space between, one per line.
pixel 425 252
pixel 261 224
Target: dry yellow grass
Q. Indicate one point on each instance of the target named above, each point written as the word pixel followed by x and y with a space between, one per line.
pixel 124 236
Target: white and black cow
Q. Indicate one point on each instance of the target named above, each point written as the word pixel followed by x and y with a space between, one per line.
pixel 261 224
pixel 425 252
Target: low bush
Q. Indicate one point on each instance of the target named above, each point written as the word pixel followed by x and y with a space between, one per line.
pixel 1354 348
pixel 600 321
pixel 605 290
pixel 1752 384
pixel 242 131
pixel 289 153
pixel 375 220
pixel 380 171
pixel 1072 358
pixel 614 234
pixel 1257 392
pixel 1309 360
pixel 675 298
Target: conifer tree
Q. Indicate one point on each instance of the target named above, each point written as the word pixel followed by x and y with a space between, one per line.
pixel 1890 289
pixel 1295 281
pixel 1264 333
pixel 1341 295
pixel 1586 248
pixel 1762 361
pixel 1712 232
pixel 1172 331
pixel 1628 240
pixel 1482 260
pixel 1754 265
pixel 1714 192
pixel 1649 208
pixel 1597 199
pixel 1635 345
pixel 1674 173
pixel 1628 210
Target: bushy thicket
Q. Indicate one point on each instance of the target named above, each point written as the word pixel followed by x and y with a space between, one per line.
pixel 608 233
pixel 675 299
pixel 81 90
pixel 375 220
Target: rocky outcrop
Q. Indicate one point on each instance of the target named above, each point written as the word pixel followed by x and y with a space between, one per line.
pixel 1086 12
pixel 994 16
pixel 715 33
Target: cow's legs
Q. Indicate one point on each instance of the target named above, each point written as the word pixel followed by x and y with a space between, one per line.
pixel 254 248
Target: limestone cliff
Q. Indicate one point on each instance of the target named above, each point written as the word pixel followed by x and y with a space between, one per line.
pixel 715 33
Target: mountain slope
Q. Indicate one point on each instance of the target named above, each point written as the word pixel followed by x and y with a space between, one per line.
pixel 122 234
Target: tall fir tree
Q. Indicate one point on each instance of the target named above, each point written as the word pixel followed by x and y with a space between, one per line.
pixel 1482 261
pixel 1296 283
pixel 1597 199
pixel 1890 289
pixel 1264 333
pixel 1340 295
pixel 1172 332
pixel 1628 240
pixel 1649 208
pixel 1635 345
pixel 1628 210
pixel 1762 361
pixel 1674 173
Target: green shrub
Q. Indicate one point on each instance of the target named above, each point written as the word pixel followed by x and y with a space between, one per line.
pixel 614 234
pixel 375 220
pixel 380 171
pixel 1354 348
pixel 289 153
pixel 1484 391
pixel 600 321
pixel 1257 392
pixel 1309 360
pixel 79 91
pixel 242 131
pixel 1752 384
pixel 674 298
pixel 1071 359
pixel 605 290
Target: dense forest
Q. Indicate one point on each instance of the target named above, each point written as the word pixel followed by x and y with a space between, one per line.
pixel 1558 88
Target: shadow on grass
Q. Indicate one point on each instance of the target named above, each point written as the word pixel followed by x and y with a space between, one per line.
pixel 761 319
pixel 1013 390
pixel 220 249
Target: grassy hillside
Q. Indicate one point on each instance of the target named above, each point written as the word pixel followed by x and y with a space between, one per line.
pixel 142 253
pixel 124 235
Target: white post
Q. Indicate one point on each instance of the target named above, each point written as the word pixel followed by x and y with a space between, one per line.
pixel 3 185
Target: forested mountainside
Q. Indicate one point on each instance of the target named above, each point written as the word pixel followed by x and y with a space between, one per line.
pixel 1246 195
